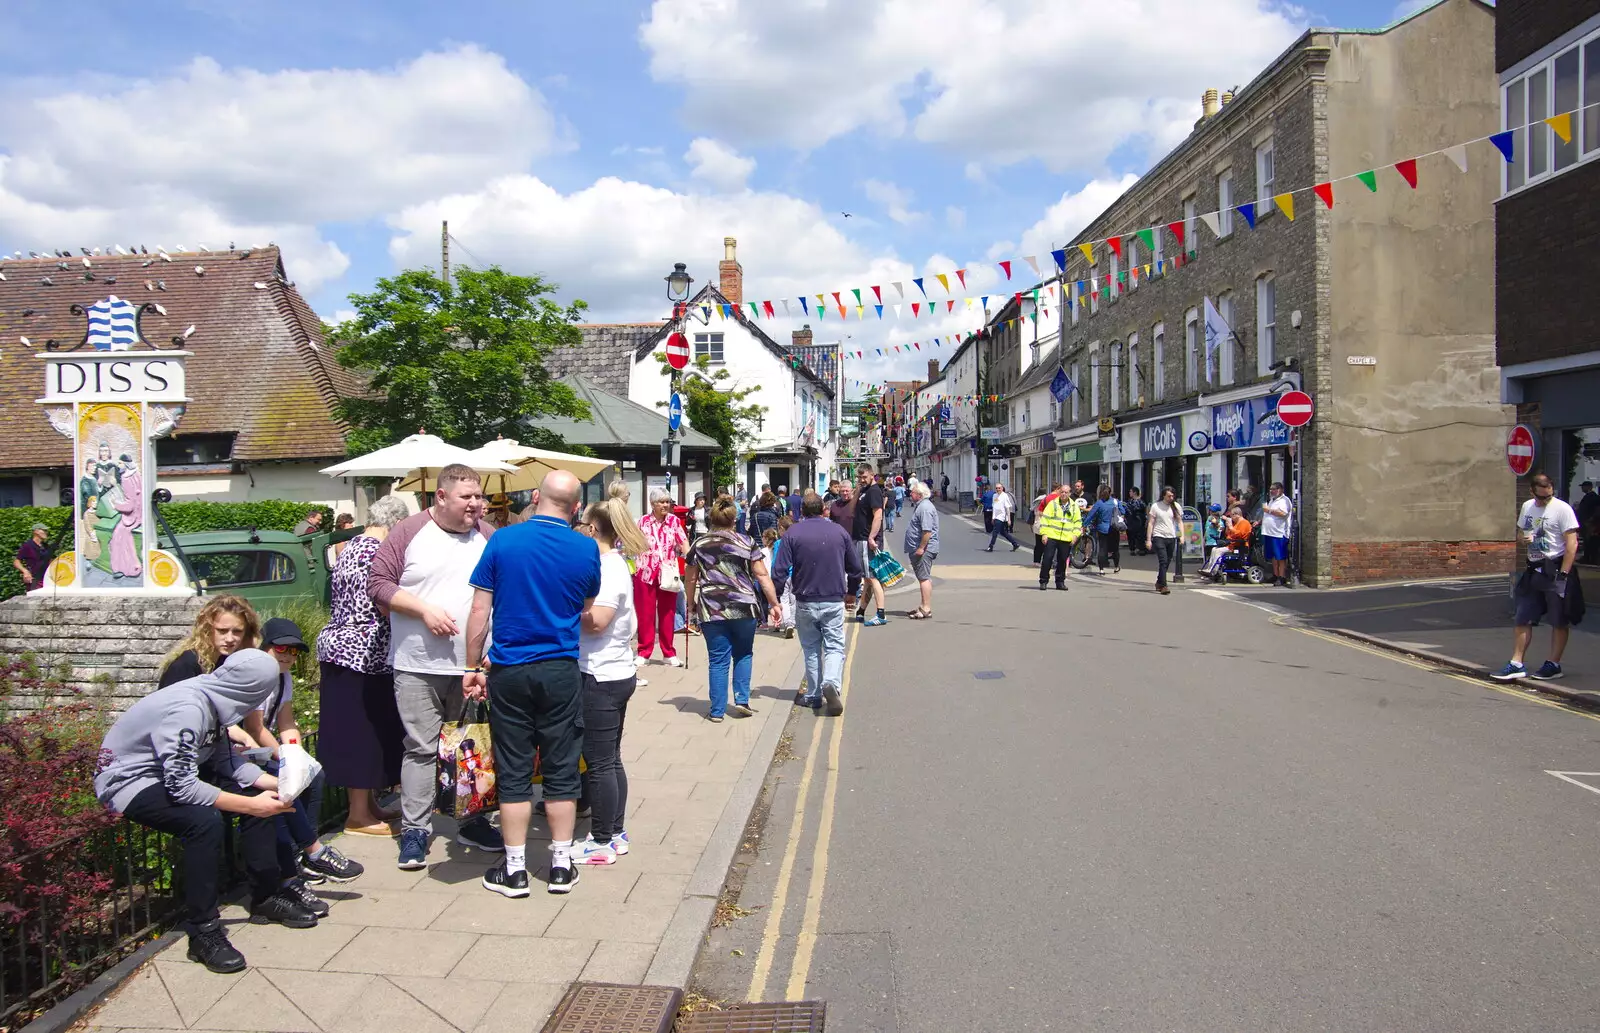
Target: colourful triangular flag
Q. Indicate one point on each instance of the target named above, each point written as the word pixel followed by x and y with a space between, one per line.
pixel 1324 191
pixel 920 287
pixel 838 300
pixel 944 281
pixel 767 307
pixel 1149 238
pixel 1033 263
pixel 1212 223
pixel 1285 203
pixel 877 293
pixel 950 306
pixel 1505 142
pixel 961 274
pixel 1059 255
pixel 1007 267
pixel 1088 253
pixel 1176 229
pixel 1248 210
pixel 899 289
pixel 705 313
pixel 914 306
pixel 897 312
pixel 1370 178
pixel 804 307
pixel 1408 171
pixel 1457 154
pixel 880 310
pixel 1562 123
pixel 857 292
pixel 755 313
pixel 1115 244
pixel 785 306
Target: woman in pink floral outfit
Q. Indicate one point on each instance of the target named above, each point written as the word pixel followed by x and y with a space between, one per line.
pixel 657 606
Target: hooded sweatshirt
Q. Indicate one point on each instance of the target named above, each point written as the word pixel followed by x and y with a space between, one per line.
pixel 164 738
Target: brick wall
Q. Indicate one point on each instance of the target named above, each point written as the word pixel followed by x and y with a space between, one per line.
pixel 1522 27
pixel 1390 561
pixel 115 645
pixel 1547 260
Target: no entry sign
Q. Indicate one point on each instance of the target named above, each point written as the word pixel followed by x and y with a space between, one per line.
pixel 1294 408
pixel 677 350
pixel 1520 449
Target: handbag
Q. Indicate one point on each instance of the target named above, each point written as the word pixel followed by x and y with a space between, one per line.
pixel 669 580
pixel 886 570
pixel 466 783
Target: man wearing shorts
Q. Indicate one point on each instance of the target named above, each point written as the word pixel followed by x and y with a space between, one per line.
pixel 534 581
pixel 866 534
pixel 1550 527
pixel 1275 518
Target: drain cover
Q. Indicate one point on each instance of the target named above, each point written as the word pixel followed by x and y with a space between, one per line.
pixel 988 675
pixel 762 1017
pixel 613 1008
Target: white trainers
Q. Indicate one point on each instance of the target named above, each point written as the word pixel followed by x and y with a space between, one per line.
pixel 619 843
pixel 674 661
pixel 640 661
pixel 587 851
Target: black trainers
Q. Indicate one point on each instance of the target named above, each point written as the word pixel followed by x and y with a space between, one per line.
pixel 209 946
pixel 562 879
pixel 480 835
pixel 507 884
pixel 330 864
pixel 1043 587
pixel 284 910
pixel 1061 586
pixel 297 891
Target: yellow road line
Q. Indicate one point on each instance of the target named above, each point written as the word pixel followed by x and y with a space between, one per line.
pixel 780 892
pixel 1517 694
pixel 806 942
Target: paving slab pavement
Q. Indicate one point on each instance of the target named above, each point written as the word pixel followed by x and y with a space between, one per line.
pixel 432 950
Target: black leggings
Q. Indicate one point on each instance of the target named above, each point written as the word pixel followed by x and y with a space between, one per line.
pixel 605 783
pixel 200 830
pixel 1110 548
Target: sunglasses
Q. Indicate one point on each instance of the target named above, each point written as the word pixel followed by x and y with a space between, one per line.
pixel 285 649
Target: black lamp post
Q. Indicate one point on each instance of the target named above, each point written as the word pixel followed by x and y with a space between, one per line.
pixel 678 284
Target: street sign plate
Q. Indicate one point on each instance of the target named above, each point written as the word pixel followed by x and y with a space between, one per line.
pixel 1294 408
pixel 1520 449
pixel 677 350
pixel 675 412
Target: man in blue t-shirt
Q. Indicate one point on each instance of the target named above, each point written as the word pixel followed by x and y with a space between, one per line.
pixel 535 583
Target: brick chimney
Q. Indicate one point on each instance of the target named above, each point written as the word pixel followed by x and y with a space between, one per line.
pixel 802 337
pixel 730 272
pixel 933 370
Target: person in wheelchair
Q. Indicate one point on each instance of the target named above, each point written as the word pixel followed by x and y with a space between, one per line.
pixel 1235 553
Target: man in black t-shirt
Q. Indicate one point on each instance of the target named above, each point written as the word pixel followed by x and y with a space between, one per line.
pixel 866 532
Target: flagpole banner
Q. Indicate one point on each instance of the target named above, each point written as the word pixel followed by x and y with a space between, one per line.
pixel 1217 333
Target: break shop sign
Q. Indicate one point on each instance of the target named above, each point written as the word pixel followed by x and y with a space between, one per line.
pixel 1240 424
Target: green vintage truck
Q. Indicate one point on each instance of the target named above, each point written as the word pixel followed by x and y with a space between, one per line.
pixel 267 568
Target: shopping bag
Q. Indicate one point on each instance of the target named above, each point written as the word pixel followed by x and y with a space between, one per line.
pixel 538 767
pixel 297 769
pixel 885 569
pixel 466 764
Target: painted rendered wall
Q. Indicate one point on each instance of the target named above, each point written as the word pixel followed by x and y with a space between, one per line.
pixel 1417 439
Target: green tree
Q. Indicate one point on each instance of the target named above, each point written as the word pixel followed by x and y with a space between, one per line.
pixel 465 360
pixel 720 413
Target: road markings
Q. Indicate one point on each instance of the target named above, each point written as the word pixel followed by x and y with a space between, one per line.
pixel 780 893
pixel 806 942
pixel 1565 777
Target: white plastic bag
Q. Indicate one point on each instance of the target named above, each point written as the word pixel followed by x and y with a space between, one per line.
pixel 297 769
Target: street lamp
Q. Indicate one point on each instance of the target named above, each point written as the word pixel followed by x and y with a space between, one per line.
pixel 678 282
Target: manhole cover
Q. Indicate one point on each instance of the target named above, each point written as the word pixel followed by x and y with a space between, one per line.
pixel 761 1017
pixel 613 1008
pixel 988 675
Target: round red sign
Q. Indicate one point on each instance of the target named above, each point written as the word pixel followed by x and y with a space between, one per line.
pixel 677 350
pixel 1520 450
pixel 1294 408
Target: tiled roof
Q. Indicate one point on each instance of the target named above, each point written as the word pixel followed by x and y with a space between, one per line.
pixel 823 359
pixel 606 355
pixel 710 295
pixel 615 422
pixel 260 369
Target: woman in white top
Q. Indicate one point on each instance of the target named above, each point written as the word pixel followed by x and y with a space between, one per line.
pixel 605 657
pixel 1164 530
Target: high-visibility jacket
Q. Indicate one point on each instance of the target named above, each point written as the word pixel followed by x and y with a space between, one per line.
pixel 1061 520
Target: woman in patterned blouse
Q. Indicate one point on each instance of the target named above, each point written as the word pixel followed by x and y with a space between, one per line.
pixel 361 738
pixel 657 606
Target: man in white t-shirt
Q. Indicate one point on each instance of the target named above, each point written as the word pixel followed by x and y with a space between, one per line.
pixel 1275 518
pixel 420 579
pixel 1550 527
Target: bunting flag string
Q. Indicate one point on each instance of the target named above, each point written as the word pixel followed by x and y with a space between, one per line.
pixel 1504 141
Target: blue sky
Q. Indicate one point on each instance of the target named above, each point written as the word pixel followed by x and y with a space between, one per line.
pixel 597 143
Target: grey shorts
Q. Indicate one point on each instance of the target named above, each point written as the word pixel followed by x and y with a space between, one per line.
pixel 922 566
pixel 864 554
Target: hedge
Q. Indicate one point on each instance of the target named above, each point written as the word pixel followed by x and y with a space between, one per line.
pixel 183 517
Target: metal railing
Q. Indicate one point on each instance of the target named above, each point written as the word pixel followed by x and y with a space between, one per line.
pixel 50 945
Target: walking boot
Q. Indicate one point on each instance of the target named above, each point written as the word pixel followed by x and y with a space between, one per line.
pixel 208 945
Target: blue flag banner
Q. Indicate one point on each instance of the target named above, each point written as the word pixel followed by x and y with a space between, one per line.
pixel 920 287
pixel 804 307
pixel 1060 385
pixel 1504 141
pixel 1060 255
pixel 1248 210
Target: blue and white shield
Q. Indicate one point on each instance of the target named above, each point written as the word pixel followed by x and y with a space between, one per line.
pixel 113 325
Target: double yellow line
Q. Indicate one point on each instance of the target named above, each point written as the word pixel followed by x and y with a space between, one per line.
pixel 806 940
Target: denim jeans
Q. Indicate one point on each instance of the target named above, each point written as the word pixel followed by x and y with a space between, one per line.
pixel 729 644
pixel 298 829
pixel 1165 549
pixel 821 629
pixel 1002 529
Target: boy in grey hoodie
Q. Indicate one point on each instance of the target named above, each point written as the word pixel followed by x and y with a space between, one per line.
pixel 161 765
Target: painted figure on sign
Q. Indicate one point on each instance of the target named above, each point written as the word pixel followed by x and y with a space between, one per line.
pixel 88 498
pixel 125 560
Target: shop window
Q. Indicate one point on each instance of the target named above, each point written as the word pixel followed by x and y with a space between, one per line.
pixel 16 492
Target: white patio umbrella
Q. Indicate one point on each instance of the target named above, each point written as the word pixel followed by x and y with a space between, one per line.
pixel 531 464
pixel 415 458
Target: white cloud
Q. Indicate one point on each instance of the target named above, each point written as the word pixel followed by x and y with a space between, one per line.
pixel 997 80
pixel 717 165
pixel 1067 217
pixel 955 217
pixel 896 201
pixel 212 153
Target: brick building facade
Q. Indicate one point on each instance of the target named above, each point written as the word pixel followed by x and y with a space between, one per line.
pixel 1547 56
pixel 1379 306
